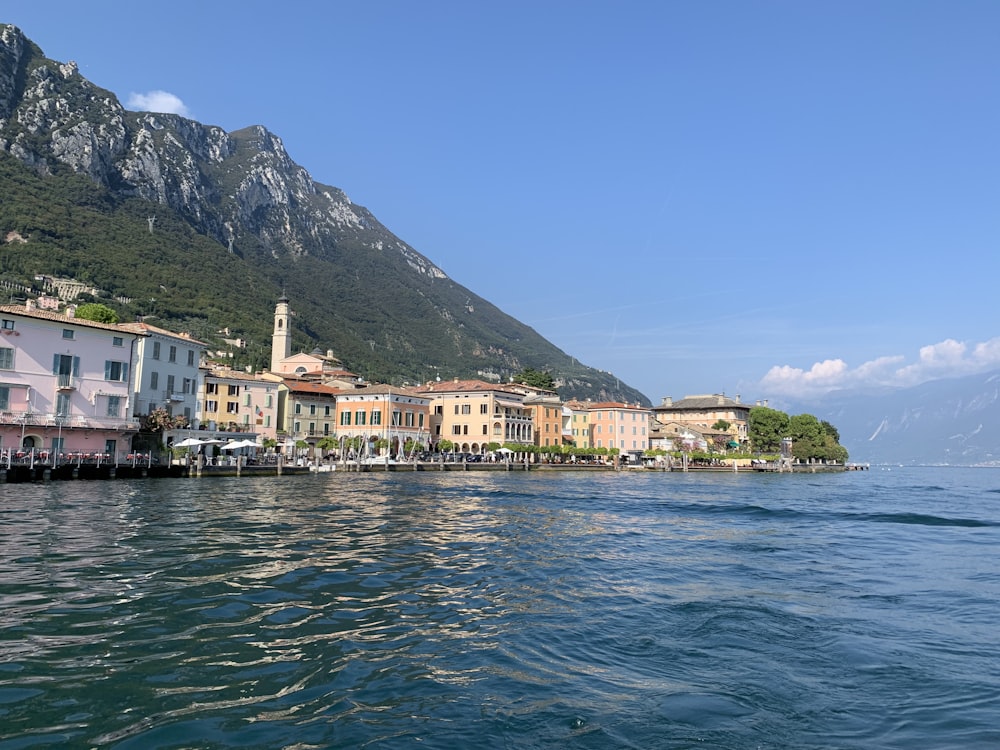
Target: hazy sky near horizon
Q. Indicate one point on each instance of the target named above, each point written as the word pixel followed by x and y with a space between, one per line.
pixel 765 198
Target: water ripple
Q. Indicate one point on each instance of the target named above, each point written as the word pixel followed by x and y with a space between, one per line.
pixel 520 611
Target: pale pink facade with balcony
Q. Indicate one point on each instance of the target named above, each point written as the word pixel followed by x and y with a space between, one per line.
pixel 65 387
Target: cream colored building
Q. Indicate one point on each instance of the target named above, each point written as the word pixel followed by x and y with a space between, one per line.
pixel 473 413
pixel 703 411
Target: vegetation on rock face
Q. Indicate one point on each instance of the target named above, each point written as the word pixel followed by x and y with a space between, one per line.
pixel 97 312
pixel 536 379
pixel 812 439
pixel 221 238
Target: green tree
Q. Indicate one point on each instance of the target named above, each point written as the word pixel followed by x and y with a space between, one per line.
pixel 536 379
pixel 808 437
pixel 97 312
pixel 766 428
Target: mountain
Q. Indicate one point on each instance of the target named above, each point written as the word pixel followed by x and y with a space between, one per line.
pixel 204 230
pixel 949 421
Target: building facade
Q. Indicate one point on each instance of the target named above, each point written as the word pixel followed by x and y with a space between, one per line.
pixel 167 372
pixel 472 414
pixel 65 385
pixel 704 411
pixel 238 402
pixel 619 425
pixel 389 416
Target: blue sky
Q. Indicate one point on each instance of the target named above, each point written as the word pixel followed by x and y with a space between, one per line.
pixel 764 198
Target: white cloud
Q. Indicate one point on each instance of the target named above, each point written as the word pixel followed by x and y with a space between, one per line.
pixel 158 101
pixel 947 358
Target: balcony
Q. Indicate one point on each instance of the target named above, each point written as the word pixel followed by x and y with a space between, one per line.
pixel 67 382
pixel 40 420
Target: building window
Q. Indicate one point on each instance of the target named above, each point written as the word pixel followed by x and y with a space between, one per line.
pixel 62 404
pixel 8 325
pixel 267 401
pixel 456 429
pixel 484 408
pixel 296 427
pixel 438 409
pixel 6 358
pixel 397 418
pixel 154 380
pixel 420 419
pixel 68 333
pixel 156 350
pixel 359 417
pixel 232 407
pixel 117 341
pixel 4 398
pixel 377 417
pixel 298 408
pixel 312 410
pixel 211 406
pixel 466 408
pixel 116 371
pixel 485 428
pixel 409 419
pixel 172 357
pixel 114 406
pixel 190 357
pixel 170 386
pixel 326 410
pixel 345 418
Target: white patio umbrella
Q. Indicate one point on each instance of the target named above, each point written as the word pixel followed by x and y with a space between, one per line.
pixel 189 443
pixel 232 445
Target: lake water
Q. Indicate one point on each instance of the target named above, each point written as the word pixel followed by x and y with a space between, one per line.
pixel 508 610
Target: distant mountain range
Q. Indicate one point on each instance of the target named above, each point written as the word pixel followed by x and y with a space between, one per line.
pixel 204 230
pixel 954 421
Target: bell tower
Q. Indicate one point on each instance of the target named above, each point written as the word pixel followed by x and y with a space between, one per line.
pixel 281 339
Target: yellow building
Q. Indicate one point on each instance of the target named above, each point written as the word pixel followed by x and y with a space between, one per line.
pixel 704 411
pixel 472 414
pixel 579 423
pixel 238 401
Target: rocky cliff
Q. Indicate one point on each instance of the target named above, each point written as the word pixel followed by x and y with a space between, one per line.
pixel 261 222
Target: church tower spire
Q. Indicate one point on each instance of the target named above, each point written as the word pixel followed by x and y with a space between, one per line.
pixel 281 339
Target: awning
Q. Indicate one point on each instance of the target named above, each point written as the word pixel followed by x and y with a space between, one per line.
pixel 509 404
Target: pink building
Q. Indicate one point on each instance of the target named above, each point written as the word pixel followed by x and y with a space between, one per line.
pixel 621 426
pixel 64 387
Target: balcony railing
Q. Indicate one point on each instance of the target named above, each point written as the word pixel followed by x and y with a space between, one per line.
pixel 67 382
pixel 55 421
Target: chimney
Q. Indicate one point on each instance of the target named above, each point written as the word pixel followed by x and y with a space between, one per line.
pixel 29 304
pixel 70 311
pixel 668 401
pixel 737 398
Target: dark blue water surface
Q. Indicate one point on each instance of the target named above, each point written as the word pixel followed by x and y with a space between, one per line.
pixel 508 610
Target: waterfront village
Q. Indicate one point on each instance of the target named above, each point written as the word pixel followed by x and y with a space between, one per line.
pixel 79 392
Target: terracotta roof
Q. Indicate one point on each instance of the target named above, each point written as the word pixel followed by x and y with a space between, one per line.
pixel 146 327
pixel 62 318
pixel 615 405
pixel 703 402
pixel 308 386
pixel 465 386
pixel 227 374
